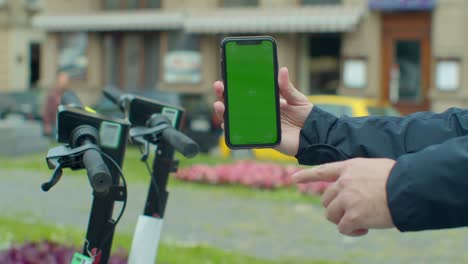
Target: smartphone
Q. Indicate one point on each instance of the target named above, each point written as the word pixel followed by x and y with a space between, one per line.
pixel 251 94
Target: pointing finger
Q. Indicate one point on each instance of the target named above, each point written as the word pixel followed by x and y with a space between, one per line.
pixel 327 172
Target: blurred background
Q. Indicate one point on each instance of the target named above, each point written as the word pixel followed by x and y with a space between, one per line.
pixel 352 57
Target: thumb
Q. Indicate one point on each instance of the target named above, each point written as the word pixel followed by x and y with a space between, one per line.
pixel 288 91
pixel 328 172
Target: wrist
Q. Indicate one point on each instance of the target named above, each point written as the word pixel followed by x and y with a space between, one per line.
pixel 388 219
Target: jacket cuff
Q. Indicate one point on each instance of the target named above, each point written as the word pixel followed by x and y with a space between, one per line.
pixel 319 154
pixel 399 196
pixel 312 148
pixel 316 127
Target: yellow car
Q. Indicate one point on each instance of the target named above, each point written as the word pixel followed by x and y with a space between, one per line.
pixel 337 105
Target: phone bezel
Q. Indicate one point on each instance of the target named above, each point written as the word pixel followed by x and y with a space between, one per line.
pixel 245 41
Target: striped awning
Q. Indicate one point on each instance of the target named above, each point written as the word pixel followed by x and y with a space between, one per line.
pixel 110 21
pixel 340 18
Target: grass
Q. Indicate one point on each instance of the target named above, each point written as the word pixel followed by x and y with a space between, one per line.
pixel 135 171
pixel 132 164
pixel 35 162
pixel 13 231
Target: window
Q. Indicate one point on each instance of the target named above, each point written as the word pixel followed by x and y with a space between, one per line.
pixel 447 74
pixel 153 4
pixel 182 63
pixel 131 61
pixel 133 4
pixel 152 60
pixel 354 73
pixel 132 67
pixel 111 60
pixel 321 2
pixel 408 70
pixel 72 54
pixel 323 63
pixel 238 3
pixel 179 40
pixel 130 4
pixel 33 5
pixel 111 4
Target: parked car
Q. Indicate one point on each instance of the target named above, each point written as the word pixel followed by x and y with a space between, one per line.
pixel 106 107
pixel 22 103
pixel 337 105
pixel 200 122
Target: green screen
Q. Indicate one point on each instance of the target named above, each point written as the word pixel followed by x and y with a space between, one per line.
pixel 251 106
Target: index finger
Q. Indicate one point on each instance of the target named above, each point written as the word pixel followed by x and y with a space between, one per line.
pixel 326 172
pixel 219 90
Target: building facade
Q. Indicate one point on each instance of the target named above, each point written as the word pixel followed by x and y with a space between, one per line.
pixel 20 45
pixel 409 53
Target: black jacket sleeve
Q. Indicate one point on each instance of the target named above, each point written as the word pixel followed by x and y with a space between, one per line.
pixel 326 138
pixel 429 189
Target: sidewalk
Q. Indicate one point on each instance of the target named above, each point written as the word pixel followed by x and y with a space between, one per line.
pixel 259 227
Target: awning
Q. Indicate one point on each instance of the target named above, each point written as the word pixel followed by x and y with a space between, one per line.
pixel 402 5
pixel 340 18
pixel 110 21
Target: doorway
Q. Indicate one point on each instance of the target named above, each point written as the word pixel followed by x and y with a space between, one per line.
pixel 34 64
pixel 323 63
pixel 406 53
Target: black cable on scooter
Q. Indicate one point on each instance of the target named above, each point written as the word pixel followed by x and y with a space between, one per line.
pixel 124 182
pixel 153 180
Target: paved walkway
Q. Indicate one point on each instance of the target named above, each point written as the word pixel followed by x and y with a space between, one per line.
pixel 267 229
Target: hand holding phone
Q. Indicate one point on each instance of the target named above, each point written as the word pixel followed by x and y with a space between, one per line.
pixel 295 108
pixel 249 67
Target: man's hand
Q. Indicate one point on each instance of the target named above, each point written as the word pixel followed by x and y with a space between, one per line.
pixel 357 200
pixel 295 107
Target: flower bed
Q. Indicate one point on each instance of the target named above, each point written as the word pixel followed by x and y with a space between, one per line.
pixel 249 173
pixel 47 252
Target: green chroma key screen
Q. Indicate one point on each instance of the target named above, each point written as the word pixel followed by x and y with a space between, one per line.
pixel 250 77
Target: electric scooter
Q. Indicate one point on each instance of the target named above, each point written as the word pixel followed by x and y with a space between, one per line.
pixel 95 143
pixel 153 124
